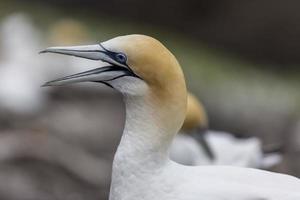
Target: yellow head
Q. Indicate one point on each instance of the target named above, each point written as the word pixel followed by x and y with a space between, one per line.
pixel 147 57
pixel 139 66
pixel 195 115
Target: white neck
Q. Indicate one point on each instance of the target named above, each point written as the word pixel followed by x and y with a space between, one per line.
pixel 143 147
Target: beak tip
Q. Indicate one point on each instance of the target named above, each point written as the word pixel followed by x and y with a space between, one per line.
pixel 47 84
pixel 48 50
pixel 43 51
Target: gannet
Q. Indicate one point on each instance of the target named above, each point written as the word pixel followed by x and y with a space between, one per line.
pixel 227 149
pixel 190 147
pixel 196 116
pixel 154 91
pixel 20 70
pixel 67 31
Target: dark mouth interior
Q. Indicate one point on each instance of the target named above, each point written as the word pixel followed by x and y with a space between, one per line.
pixel 127 71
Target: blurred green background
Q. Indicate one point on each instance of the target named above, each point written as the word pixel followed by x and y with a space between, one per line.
pixel 241 58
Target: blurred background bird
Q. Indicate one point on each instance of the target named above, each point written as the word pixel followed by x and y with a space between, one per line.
pixel 197 145
pixel 246 77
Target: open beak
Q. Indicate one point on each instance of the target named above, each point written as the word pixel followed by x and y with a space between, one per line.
pixel 101 75
pixel 93 52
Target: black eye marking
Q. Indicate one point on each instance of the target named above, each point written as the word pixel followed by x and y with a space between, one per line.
pixel 117 56
pixel 121 58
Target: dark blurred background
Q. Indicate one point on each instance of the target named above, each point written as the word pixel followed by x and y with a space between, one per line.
pixel 241 58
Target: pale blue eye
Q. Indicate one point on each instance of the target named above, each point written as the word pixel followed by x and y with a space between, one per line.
pixel 121 58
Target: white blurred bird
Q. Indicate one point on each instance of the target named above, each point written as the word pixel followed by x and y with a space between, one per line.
pixel 20 69
pixel 225 148
pixel 154 91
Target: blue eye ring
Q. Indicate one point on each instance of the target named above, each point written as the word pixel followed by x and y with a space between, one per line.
pixel 121 58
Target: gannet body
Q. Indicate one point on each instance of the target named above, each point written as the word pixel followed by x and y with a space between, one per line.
pixel 154 91
pixel 186 150
pixel 227 150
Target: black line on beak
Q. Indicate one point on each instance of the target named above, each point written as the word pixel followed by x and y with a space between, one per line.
pixel 105 83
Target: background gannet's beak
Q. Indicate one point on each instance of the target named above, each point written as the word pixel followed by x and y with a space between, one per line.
pixel 94 52
pixel 207 148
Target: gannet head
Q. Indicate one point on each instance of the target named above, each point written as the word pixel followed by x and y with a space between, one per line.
pixel 196 116
pixel 138 65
